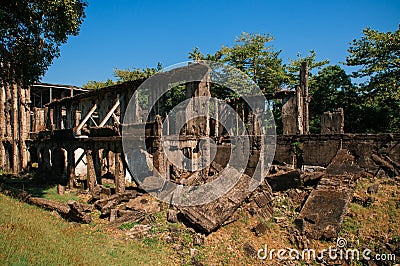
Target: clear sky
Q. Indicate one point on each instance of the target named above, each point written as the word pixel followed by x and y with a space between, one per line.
pixel 131 33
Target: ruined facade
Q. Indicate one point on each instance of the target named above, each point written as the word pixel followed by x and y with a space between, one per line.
pixel 74 135
pixel 74 138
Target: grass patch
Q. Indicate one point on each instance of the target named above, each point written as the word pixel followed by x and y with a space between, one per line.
pixel 31 236
pixel 127 226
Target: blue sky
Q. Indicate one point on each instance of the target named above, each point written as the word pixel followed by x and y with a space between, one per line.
pixel 129 33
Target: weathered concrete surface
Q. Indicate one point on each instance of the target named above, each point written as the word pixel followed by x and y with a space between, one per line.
pixel 284 180
pixel 342 164
pixel 107 204
pixel 210 216
pixel 321 149
pixel 323 212
pixel 261 201
pixel 332 122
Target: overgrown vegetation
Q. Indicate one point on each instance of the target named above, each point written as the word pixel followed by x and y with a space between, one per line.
pixel 31 236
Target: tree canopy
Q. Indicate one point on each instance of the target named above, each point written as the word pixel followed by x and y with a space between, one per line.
pixel 294 67
pixel 123 75
pixel 255 56
pixel 31 32
pixel 377 54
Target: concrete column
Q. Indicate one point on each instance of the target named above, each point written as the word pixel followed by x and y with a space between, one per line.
pixel 300 111
pixel 91 174
pixel 167 125
pixel 304 89
pixel 216 103
pixel 97 164
pixel 46 160
pixel 119 174
pixel 159 158
pixel 71 167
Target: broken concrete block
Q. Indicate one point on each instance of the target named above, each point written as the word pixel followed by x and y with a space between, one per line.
pixel 145 203
pixel 332 122
pixel 113 215
pixel 77 212
pixel 284 181
pixel 172 216
pixel 249 250
pixel 133 216
pixel 324 211
pixel 208 217
pixel 312 178
pixel 105 205
pixel 139 231
pixel 260 229
pixel 343 163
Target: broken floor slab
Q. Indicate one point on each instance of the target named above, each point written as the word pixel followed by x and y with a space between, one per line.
pixel 208 217
pixel 324 210
pixel 284 180
pixel 343 163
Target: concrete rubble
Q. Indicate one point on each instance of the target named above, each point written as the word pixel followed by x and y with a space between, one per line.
pixel 326 206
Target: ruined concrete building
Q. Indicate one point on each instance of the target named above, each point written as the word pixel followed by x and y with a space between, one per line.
pixel 74 136
pixel 74 132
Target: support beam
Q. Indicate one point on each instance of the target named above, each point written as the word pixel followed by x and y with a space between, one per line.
pixel 116 119
pixel 94 122
pixel 85 119
pixel 110 113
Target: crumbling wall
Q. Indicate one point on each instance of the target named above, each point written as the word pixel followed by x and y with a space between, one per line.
pixel 289 116
pixel 321 149
pixel 332 122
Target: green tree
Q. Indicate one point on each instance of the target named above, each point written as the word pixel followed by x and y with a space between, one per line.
pixel 92 84
pixel 330 89
pixel 124 75
pixel 253 55
pixel 31 33
pixel 377 56
pixel 294 67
